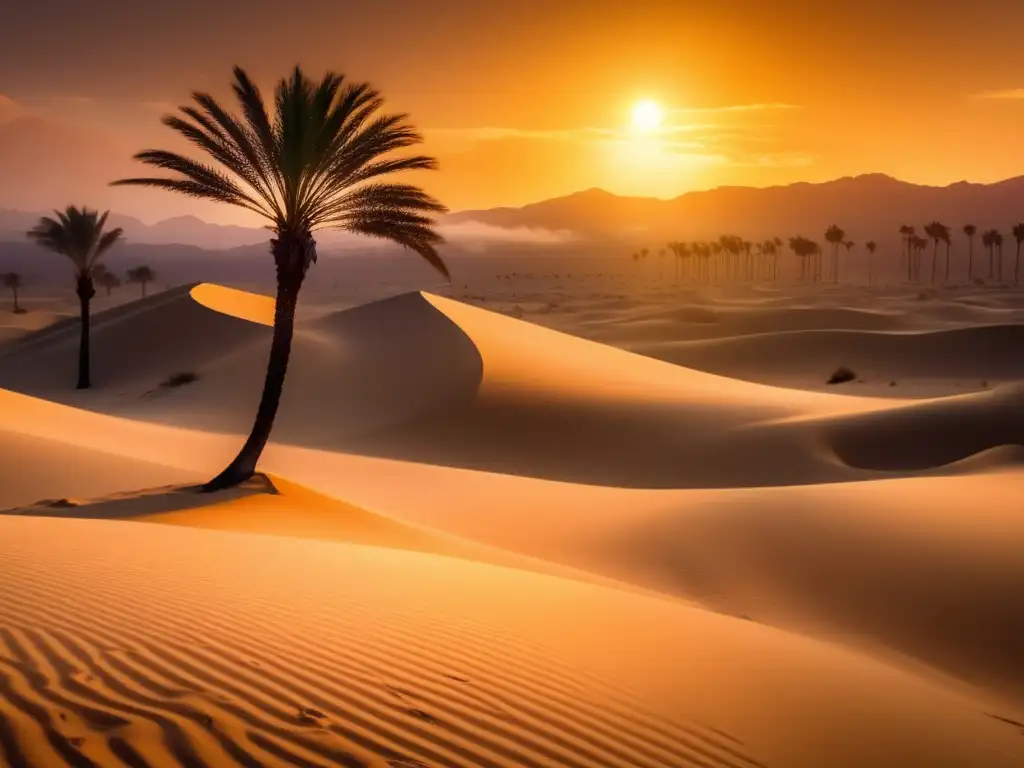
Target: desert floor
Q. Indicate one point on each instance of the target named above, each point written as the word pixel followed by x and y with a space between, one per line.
pixel 530 518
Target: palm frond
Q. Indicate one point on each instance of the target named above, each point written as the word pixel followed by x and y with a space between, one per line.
pixel 318 161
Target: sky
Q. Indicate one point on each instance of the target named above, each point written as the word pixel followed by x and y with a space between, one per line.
pixel 523 101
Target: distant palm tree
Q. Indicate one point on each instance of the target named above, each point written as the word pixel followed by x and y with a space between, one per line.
pixel 835 237
pixel 997 245
pixel 318 163
pixel 1018 234
pixel 13 282
pixel 79 235
pixel 970 230
pixel 109 281
pixel 918 244
pixel 937 231
pixel 909 233
pixel 661 263
pixel 849 245
pixel 871 247
pixel 988 240
pixel 141 276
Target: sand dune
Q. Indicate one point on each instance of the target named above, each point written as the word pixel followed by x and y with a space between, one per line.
pixel 963 356
pixel 285 652
pixel 382 601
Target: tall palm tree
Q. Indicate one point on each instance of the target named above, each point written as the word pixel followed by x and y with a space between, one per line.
pixel 319 162
pixel 997 245
pixel 13 283
pixel 937 231
pixel 970 230
pixel 988 240
pixel 835 237
pixel 79 235
pixel 1018 234
pixel 141 276
pixel 908 233
pixel 871 247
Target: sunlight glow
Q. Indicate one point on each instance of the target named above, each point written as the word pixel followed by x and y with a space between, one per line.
pixel 646 115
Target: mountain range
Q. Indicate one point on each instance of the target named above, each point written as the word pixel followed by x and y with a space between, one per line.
pixel 871 206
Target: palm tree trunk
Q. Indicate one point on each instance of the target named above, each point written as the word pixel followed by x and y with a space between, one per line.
pixel 244 465
pixel 935 258
pixel 17 309
pixel 1016 268
pixel 970 259
pixel 85 291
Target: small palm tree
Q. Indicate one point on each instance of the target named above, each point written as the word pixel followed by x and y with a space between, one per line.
pixel 317 163
pixel 80 235
pixel 908 233
pixel 835 237
pixel 970 230
pixel 13 283
pixel 997 246
pixel 988 240
pixel 1018 234
pixel 871 247
pixel 937 231
pixel 106 279
pixel 141 276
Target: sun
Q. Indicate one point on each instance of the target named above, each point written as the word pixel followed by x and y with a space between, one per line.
pixel 646 115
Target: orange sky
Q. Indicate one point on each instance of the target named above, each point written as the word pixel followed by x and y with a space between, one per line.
pixel 527 100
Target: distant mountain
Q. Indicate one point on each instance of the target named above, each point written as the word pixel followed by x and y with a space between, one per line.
pixel 869 206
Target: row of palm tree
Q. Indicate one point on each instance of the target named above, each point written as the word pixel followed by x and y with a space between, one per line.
pixel 321 160
pixel 731 258
pixel 937 232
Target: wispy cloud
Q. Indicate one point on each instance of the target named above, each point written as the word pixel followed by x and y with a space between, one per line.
pixel 1010 94
pixel 761 107
pixel 493 133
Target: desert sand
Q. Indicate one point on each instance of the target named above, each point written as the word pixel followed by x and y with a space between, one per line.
pixel 622 526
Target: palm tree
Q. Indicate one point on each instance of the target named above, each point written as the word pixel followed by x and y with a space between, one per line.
pixel 1018 234
pixel 79 235
pixel 997 245
pixel 13 282
pixel 970 230
pixel 318 163
pixel 849 246
pixel 908 233
pixel 871 247
pixel 936 231
pixel 835 236
pixel 988 240
pixel 105 278
pixel 141 276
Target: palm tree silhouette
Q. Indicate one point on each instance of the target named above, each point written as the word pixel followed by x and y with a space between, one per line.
pixel 79 235
pixel 141 276
pixel 871 247
pixel 997 245
pixel 988 240
pixel 13 283
pixel 318 163
pixel 849 246
pixel 970 230
pixel 1018 234
pixel 105 279
pixel 936 231
pixel 835 236
pixel 908 233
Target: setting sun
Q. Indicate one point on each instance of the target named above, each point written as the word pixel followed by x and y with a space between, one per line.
pixel 646 115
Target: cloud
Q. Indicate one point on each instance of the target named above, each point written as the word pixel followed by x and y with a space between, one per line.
pixel 762 107
pixel 476 235
pixel 492 133
pixel 1011 94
